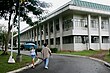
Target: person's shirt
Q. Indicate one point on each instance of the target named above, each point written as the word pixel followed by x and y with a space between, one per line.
pixel 32 52
pixel 46 52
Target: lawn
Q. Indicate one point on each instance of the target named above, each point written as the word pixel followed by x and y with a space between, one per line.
pixel 101 54
pixel 6 67
pixel 82 53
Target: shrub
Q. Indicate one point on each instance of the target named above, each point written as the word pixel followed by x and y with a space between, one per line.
pixel 22 46
pixel 54 50
pixel 15 48
pixel 39 49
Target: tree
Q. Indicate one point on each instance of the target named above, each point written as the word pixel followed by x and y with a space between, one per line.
pixel 3 33
pixel 22 8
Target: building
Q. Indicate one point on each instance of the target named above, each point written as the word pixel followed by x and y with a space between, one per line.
pixel 77 25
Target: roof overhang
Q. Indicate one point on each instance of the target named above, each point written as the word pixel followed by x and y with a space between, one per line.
pixel 88 10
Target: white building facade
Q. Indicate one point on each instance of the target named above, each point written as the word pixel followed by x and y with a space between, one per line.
pixel 77 25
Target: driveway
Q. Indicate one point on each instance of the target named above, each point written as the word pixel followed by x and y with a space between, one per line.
pixel 67 64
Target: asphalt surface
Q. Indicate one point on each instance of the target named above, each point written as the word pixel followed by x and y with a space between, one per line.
pixel 67 64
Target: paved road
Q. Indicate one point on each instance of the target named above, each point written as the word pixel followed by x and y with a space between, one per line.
pixel 66 64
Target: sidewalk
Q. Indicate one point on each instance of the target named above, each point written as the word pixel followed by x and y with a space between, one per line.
pixel 28 66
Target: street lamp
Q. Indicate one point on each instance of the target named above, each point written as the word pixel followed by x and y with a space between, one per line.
pixel 11 59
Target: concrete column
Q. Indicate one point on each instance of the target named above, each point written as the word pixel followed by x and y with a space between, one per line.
pixel 54 33
pixel 44 33
pixel 33 35
pixel 100 37
pixel 61 32
pixel 73 20
pixel 48 35
pixel 73 29
pixel 40 36
pixel 29 35
pixel 37 35
pixel 109 31
pixel 89 31
pixel 73 43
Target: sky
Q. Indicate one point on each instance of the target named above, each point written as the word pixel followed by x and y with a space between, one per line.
pixel 55 5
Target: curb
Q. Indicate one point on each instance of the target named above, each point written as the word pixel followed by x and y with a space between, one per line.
pixel 26 67
pixel 105 63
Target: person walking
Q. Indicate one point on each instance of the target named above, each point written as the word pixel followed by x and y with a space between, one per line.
pixel 33 55
pixel 46 52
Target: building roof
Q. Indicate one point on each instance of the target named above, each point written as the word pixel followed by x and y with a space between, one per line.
pixel 90 5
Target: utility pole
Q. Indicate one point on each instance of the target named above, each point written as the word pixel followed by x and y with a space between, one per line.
pixel 19 56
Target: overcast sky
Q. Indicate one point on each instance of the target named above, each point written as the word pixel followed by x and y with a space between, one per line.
pixel 58 3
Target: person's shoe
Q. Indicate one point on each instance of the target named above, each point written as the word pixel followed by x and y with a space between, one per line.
pixel 33 67
pixel 46 67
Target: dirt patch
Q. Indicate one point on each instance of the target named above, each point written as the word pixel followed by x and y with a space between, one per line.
pixel 100 55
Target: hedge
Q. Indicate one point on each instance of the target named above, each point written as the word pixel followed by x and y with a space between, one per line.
pixel 54 50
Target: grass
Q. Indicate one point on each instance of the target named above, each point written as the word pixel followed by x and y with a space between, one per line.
pixel 107 58
pixel 91 53
pixel 82 53
pixel 6 67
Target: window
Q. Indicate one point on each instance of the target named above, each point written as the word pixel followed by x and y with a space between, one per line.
pixel 77 39
pixel 94 39
pixel 51 26
pixel 46 41
pixel 57 41
pixel 105 39
pixel 67 39
pixel 104 24
pixel 57 24
pixel 94 23
pixel 80 22
pixel 81 39
pixel 46 30
pixel 83 22
pixel 51 41
pixel 67 24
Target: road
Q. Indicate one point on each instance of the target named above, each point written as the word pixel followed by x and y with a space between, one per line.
pixel 67 64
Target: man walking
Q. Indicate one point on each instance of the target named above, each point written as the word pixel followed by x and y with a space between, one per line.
pixel 46 52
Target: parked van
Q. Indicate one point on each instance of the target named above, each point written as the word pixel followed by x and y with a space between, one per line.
pixel 29 45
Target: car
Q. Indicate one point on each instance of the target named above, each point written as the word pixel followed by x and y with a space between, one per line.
pixel 29 45
pixel 0 48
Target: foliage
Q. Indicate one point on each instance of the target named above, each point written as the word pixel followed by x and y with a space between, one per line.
pixel 39 49
pixel 22 9
pixel 54 50
pixel 3 33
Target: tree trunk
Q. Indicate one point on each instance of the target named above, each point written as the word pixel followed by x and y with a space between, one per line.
pixel 7 36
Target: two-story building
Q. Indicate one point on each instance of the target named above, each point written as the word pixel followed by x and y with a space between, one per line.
pixel 77 25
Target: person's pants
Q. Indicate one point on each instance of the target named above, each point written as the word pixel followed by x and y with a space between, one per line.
pixel 46 61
